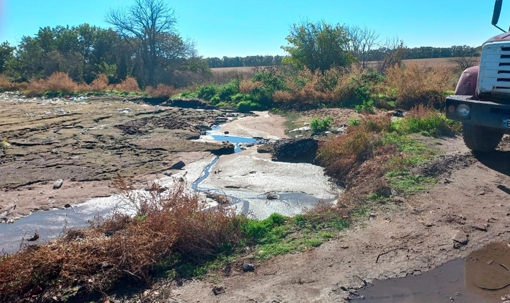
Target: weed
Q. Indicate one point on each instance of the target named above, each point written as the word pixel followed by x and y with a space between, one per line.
pixel 320 125
pixel 423 119
pixel 206 92
pixel 354 121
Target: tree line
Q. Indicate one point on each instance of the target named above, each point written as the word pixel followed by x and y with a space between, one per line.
pixel 422 52
pixel 142 43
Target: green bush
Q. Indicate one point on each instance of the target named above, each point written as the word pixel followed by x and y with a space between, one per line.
pixel 239 97
pixel 320 125
pixel 354 121
pixel 206 92
pixel 247 106
pixel 228 90
pixel 215 100
pixel 271 83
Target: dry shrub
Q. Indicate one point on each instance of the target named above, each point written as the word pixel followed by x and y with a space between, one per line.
pixel 100 83
pixel 161 91
pixel 121 247
pixel 128 85
pixel 346 153
pixel 58 81
pixel 417 84
pixel 247 86
pixel 7 85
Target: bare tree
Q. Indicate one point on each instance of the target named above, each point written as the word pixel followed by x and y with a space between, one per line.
pixel 147 22
pixel 363 40
pixel 394 52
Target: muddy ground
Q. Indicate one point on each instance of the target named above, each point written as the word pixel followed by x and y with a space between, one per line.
pixel 86 143
pixel 466 210
pixel 89 141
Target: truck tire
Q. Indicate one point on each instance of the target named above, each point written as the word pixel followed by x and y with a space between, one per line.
pixel 479 138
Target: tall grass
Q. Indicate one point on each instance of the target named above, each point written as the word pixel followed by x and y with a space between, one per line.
pixel 417 84
pixel 122 247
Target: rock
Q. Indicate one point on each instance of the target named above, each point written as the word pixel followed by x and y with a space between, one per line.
pixel 226 132
pixel 218 290
pixel 248 267
pixel 35 237
pixel 178 165
pixel 295 150
pixel 58 184
pixel 272 196
pixel 67 205
pixel 225 149
pixel 460 239
pixel 265 149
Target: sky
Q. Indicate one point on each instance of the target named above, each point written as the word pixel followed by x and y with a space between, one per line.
pixel 244 28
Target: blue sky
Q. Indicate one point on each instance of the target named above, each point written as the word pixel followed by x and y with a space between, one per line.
pixel 241 28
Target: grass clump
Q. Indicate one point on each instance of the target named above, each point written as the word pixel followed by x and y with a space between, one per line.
pixel 320 125
pixel 427 121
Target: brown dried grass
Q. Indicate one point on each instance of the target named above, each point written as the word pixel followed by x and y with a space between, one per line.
pixel 418 84
pixel 346 153
pixel 58 81
pixel 161 91
pixel 128 85
pixel 121 247
pixel 247 86
pixel 7 85
pixel 100 83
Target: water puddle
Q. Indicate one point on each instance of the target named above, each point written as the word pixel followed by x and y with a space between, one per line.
pixel 484 276
pixel 50 224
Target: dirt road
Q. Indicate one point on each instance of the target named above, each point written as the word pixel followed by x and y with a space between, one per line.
pixel 408 237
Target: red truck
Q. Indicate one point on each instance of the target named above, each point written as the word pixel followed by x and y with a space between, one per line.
pixel 482 97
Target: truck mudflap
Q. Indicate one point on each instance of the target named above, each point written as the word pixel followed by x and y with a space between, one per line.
pixel 478 112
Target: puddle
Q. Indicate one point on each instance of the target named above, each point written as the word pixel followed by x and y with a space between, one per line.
pixel 461 280
pixel 50 224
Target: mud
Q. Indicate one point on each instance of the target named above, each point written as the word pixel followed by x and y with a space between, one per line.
pixel 86 142
pixel 481 277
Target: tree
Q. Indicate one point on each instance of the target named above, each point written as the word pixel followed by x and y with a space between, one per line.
pixel 149 25
pixel 318 46
pixel 362 41
pixel 6 54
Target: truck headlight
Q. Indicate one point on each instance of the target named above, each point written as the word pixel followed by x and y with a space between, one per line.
pixel 463 110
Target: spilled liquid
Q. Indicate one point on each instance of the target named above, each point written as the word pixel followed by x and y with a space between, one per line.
pixel 461 280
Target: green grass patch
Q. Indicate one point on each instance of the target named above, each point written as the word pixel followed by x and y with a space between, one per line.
pixel 431 124
pixel 408 184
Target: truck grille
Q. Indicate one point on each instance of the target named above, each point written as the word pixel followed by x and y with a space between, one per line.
pixel 494 76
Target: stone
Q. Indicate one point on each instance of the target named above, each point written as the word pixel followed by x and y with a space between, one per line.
pixel 248 267
pixel 178 165
pixel 67 205
pixel 265 149
pixel 272 196
pixel 218 290
pixel 301 150
pixel 58 184
pixel 460 239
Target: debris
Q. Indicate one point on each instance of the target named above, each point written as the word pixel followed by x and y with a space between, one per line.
pixel 58 184
pixel 35 237
pixel 460 239
pixel 218 290
pixel 248 267
pixel 272 196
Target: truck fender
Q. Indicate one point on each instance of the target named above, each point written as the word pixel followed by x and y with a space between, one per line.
pixel 468 81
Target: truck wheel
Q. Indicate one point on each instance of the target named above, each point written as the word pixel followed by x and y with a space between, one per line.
pixel 480 138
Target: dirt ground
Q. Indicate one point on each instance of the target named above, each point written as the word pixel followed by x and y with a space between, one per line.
pixel 90 141
pixel 86 143
pixel 411 236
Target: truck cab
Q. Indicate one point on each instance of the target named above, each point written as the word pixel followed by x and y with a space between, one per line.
pixel 482 96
